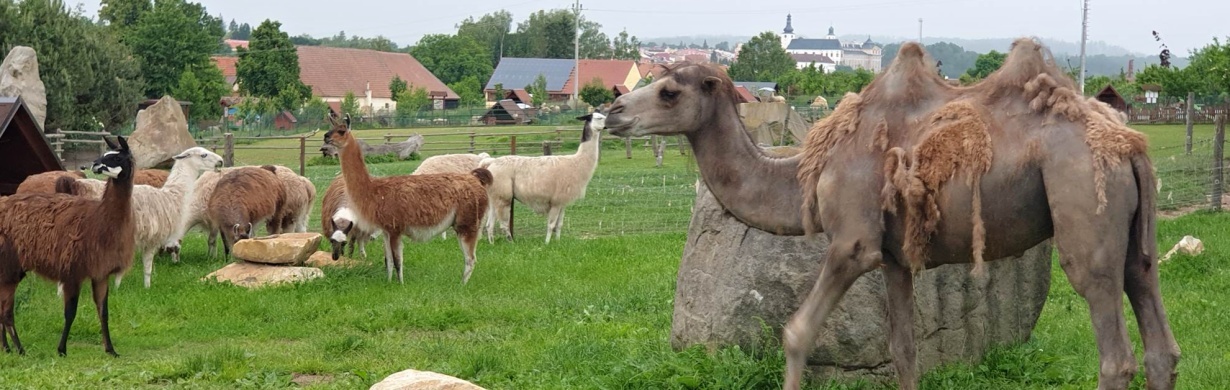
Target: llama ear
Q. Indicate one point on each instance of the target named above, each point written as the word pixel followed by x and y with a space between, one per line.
pixel 123 144
pixel 711 83
pixel 181 156
pixel 585 118
pixel 111 143
pixel 347 121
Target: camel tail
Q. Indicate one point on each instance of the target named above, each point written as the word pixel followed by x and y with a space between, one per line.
pixel 1146 208
pixel 808 179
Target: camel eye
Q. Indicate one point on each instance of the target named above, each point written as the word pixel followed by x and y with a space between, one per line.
pixel 668 94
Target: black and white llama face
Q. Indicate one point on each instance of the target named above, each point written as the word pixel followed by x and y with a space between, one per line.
pixel 114 162
pixel 594 123
pixel 342 224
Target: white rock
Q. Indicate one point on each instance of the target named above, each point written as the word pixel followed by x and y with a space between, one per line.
pixel 1189 245
pixel 252 275
pixel 423 380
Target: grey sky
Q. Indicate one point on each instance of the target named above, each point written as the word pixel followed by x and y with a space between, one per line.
pixel 1183 24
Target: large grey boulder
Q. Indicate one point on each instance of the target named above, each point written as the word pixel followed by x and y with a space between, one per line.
pixel 162 132
pixel 402 149
pixel 734 278
pixel 19 77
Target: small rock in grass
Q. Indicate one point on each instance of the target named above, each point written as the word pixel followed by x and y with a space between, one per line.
pixel 253 275
pixel 325 259
pixel 287 248
pixel 423 380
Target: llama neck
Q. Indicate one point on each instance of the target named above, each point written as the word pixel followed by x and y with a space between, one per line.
pixel 761 191
pixel 117 198
pixel 181 181
pixel 588 150
pixel 354 173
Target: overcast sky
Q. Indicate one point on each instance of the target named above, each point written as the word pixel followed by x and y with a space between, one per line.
pixel 1183 24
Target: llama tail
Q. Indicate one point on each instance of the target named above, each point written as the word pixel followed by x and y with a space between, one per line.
pixel 485 162
pixel 66 185
pixel 1146 209
pixel 483 175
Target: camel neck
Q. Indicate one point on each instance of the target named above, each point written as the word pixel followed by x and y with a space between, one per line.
pixel 761 191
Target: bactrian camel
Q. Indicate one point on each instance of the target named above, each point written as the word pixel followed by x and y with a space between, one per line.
pixel 895 178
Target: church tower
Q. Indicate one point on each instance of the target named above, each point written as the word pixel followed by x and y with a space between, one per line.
pixel 787 33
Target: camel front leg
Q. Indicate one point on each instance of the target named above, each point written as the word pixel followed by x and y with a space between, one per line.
pixel 899 284
pixel 843 263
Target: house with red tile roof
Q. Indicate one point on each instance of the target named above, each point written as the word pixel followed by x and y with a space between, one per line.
pixel 227 66
pixel 333 71
pixel 611 73
pixel 561 75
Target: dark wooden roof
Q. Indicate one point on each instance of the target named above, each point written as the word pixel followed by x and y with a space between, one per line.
pixel 1112 97
pixel 24 150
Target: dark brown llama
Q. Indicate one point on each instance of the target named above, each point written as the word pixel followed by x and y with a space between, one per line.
pixel 243 199
pixel 68 239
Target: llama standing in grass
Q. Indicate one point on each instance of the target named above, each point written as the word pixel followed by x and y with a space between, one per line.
pixel 242 199
pixel 68 239
pixel 546 184
pixel 453 163
pixel 337 221
pixel 159 212
pixel 300 193
pixel 417 206
pixel 194 211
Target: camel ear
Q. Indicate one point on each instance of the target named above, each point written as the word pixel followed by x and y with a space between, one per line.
pixel 711 83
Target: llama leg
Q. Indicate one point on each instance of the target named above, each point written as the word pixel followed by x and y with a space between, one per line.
pixel 7 323
pixel 845 261
pixel 213 242
pixel 397 251
pixel 388 254
pixel 899 282
pixel 468 241
pixel 72 290
pixel 552 222
pixel 559 225
pixel 147 259
pixel 1141 286
pixel 100 303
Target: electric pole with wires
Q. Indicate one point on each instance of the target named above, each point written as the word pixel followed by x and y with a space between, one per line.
pixel 576 55
pixel 1084 37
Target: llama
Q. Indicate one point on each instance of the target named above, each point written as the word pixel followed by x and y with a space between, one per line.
pixel 300 193
pixel 547 184
pixel 337 221
pixel 158 212
pixel 243 198
pixel 453 163
pixel 195 208
pixel 68 239
pixel 417 206
pixel 45 183
pixel 151 177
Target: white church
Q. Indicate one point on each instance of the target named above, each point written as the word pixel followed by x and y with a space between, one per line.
pixel 829 52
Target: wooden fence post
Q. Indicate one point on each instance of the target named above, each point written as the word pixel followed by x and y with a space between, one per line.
pixel 1219 140
pixel 546 148
pixel 682 151
pixel 228 151
pixel 628 146
pixel 471 142
pixel 512 145
pixel 1187 145
pixel 302 155
pixel 388 139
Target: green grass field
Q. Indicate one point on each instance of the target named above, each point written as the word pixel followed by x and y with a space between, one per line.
pixel 592 310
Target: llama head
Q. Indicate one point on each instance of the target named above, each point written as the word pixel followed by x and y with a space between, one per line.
pixel 200 159
pixel 343 223
pixel 241 233
pixel 116 162
pixel 593 122
pixel 339 134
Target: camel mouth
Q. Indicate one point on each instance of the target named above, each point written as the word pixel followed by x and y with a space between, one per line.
pixel 620 128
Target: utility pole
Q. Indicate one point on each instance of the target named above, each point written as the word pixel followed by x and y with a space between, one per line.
pixel 576 56
pixel 1084 37
pixel 920 31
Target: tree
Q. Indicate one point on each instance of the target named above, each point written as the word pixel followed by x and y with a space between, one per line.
pixel 470 91
pixel 723 46
pixel 762 59
pixel 452 58
pixel 1212 63
pixel 123 14
pixel 595 93
pixel 499 91
pixel 270 64
pixel 544 34
pixel 538 90
pixel 593 42
pixel 350 105
pixel 985 65
pixel 92 80
pixel 172 37
pixel 243 33
pixel 491 31
pixel 625 48
pixel 204 91
pixel 396 87
pixel 412 102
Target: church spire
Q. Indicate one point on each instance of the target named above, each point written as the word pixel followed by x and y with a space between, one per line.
pixel 788 29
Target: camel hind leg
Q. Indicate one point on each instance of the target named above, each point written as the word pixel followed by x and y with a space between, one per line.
pixel 899 284
pixel 1092 251
pixel 1142 287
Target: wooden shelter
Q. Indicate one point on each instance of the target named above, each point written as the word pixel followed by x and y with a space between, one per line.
pixel 23 147
pixel 1112 97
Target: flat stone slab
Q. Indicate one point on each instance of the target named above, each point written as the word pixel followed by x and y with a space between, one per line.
pixel 423 380
pixel 325 259
pixel 278 249
pixel 253 275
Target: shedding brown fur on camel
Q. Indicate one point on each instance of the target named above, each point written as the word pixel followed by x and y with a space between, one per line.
pixel 1058 166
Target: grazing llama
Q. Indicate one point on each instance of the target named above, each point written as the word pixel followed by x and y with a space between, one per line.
pixel 68 239
pixel 417 206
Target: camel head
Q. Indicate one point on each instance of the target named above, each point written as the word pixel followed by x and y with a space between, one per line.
pixel 339 134
pixel 686 98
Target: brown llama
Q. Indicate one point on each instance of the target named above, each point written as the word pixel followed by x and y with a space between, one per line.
pixel 68 239
pixel 242 199
pixel 337 221
pixel 45 183
pixel 417 206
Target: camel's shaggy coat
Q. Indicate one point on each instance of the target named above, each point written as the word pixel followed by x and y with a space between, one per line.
pixel 158 212
pixel 242 199
pixel 68 239
pixel 417 206
pixel 1058 167
pixel 545 184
